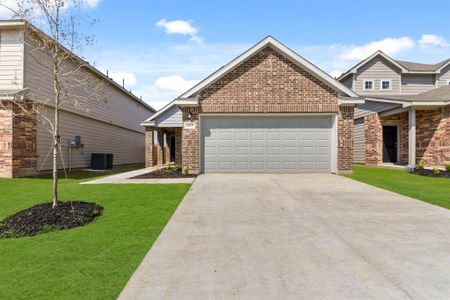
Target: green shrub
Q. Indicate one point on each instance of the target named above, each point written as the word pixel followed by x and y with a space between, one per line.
pixel 186 170
pixel 420 166
pixel 447 167
pixel 436 171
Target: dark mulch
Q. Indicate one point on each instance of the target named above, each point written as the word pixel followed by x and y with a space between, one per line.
pixel 44 218
pixel 170 172
pixel 430 173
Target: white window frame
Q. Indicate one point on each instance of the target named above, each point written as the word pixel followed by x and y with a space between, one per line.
pixel 364 84
pixel 390 85
pixel 448 82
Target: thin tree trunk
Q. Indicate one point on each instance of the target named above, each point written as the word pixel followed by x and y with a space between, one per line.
pixel 56 141
pixel 56 137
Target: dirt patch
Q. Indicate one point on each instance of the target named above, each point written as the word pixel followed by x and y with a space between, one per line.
pixel 43 218
pixel 170 172
pixel 431 173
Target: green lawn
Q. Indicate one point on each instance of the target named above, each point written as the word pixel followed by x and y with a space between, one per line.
pixel 91 262
pixel 428 189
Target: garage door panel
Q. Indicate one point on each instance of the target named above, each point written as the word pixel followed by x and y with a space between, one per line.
pixel 266 144
pixel 241 150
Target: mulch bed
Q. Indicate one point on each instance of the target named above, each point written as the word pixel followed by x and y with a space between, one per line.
pixel 43 218
pixel 170 172
pixel 430 173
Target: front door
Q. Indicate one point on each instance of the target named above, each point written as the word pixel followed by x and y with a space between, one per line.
pixel 390 144
pixel 172 148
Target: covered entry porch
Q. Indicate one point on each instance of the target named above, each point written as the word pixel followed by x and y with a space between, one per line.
pixel 162 146
pixel 408 136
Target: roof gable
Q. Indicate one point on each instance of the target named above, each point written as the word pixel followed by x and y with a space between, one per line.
pixel 285 51
pixel 379 53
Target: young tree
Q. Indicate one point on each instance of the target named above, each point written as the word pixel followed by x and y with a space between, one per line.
pixel 52 46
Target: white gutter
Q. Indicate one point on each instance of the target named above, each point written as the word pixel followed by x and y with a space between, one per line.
pixel 349 102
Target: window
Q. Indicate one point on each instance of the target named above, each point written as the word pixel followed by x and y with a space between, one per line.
pixel 385 85
pixel 368 85
pixel 448 82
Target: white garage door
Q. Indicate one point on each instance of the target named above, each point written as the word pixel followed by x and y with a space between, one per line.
pixel 266 144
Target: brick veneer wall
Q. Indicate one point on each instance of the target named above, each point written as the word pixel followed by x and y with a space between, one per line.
pixel 268 83
pixel 6 134
pixel 433 136
pixel 17 142
pixel 373 136
pixel 190 139
pixel 345 138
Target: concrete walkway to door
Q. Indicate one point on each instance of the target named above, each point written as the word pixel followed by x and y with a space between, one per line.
pixel 296 237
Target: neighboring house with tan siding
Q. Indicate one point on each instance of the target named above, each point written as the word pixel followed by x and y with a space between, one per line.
pixel 108 124
pixel 406 115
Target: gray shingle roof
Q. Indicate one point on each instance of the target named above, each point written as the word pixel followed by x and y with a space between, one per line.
pixel 434 95
pixel 413 66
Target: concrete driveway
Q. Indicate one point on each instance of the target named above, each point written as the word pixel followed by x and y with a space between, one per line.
pixel 297 237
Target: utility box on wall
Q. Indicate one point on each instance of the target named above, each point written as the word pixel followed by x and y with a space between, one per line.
pixel 101 161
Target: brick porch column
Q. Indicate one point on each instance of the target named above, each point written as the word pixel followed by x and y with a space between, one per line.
pixel 160 147
pixel 412 137
pixel 149 146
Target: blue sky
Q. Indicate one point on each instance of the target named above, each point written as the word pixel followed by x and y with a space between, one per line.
pixel 162 48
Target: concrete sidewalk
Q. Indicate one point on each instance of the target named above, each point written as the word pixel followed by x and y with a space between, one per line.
pixel 296 237
pixel 126 178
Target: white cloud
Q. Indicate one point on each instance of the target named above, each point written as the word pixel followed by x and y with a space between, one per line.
pixel 180 27
pixel 174 84
pixel 92 3
pixel 335 73
pixel 390 46
pixel 432 40
pixel 119 76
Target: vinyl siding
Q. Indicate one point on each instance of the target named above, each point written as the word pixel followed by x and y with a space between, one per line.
pixel 416 84
pixel 110 104
pixel 172 117
pixel 11 60
pixel 378 69
pixel 348 82
pixel 359 148
pixel 445 76
pixel 97 137
pixel 371 107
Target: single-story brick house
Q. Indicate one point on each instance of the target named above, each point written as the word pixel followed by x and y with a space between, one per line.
pixel 405 119
pixel 268 110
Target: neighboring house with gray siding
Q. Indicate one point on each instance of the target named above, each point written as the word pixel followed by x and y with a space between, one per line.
pixel 406 115
pixel 110 124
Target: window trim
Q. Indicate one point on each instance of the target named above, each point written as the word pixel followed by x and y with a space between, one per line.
pixel 364 84
pixel 448 82
pixel 390 85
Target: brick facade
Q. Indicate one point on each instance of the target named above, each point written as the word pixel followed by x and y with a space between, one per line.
pixel 17 142
pixel 268 83
pixel 374 135
pixel 190 140
pixel 432 136
pixel 345 138
pixel 6 140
